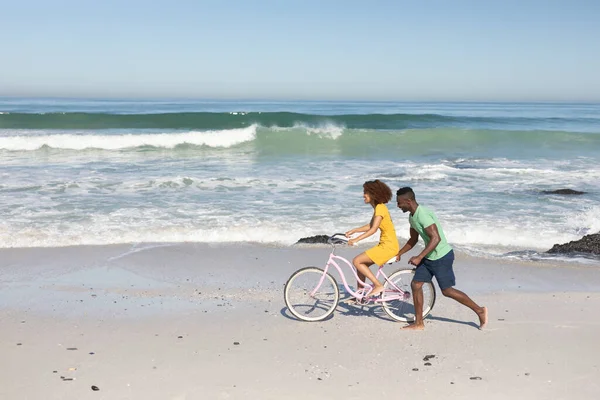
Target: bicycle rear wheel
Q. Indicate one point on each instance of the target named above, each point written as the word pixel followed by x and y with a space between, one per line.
pixel 307 302
pixel 400 305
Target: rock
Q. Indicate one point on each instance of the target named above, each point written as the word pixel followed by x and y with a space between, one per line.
pixel 318 239
pixel 587 244
pixel 475 378
pixel 563 191
pixel 427 364
pixel 95 388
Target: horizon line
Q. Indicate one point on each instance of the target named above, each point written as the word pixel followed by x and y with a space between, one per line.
pixel 291 100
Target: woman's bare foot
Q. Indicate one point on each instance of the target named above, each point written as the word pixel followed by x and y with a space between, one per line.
pixel 483 317
pixel 376 291
pixel 414 327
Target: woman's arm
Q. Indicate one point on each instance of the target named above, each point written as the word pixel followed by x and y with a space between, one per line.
pixel 372 228
pixel 363 228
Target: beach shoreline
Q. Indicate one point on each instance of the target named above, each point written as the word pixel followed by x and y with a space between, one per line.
pixel 163 320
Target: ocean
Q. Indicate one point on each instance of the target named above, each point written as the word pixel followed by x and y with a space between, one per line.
pixel 91 172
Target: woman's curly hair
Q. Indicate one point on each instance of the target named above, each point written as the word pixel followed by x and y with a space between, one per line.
pixel 378 191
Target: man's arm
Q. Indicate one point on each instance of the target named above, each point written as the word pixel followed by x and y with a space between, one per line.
pixel 414 238
pixel 434 240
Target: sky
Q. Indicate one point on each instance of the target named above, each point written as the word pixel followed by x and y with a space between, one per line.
pixel 418 50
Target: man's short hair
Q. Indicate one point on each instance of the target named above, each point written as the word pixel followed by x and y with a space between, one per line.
pixel 406 193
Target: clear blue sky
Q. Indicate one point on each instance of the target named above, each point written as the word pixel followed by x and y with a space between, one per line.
pixel 509 50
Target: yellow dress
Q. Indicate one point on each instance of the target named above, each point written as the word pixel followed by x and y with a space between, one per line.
pixel 388 242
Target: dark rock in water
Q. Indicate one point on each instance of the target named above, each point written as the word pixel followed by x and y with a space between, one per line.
pixel 320 239
pixel 587 244
pixel 563 191
pixel 95 388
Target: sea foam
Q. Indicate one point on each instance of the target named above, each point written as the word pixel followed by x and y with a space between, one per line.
pixel 68 141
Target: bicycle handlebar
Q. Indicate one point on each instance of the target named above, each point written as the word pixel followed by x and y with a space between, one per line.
pixel 333 239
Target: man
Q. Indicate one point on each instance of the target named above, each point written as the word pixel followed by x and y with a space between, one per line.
pixel 435 260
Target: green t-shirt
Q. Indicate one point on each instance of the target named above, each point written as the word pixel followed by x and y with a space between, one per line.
pixel 422 219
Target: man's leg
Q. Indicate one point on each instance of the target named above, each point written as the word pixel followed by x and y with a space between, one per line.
pixel 417 289
pixel 465 300
pixel 443 271
pixel 362 262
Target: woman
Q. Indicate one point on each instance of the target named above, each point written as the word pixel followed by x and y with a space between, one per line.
pixel 375 193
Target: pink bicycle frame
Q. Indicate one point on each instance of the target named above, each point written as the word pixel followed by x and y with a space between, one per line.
pixel 395 294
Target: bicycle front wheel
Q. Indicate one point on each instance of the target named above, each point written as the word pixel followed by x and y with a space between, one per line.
pixel 306 299
pixel 400 305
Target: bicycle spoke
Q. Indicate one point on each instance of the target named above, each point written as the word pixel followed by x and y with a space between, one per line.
pixel 308 300
pixel 398 299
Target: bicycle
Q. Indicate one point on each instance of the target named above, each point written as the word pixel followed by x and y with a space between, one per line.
pixel 312 294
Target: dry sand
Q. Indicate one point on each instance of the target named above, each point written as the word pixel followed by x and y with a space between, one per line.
pixel 189 321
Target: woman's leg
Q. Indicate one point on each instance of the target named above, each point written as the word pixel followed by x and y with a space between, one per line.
pixel 362 262
pixel 361 279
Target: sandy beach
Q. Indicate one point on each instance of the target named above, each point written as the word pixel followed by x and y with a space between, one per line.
pixel 195 321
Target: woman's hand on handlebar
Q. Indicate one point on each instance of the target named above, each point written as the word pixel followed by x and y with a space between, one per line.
pixel 350 232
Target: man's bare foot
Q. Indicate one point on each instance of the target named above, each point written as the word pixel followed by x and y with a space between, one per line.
pixel 376 291
pixel 483 317
pixel 414 327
